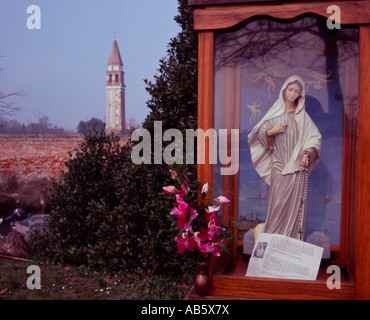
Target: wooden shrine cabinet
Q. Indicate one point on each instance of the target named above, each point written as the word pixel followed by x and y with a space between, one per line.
pixel 246 50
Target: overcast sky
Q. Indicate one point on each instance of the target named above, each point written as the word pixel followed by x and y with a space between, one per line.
pixel 62 66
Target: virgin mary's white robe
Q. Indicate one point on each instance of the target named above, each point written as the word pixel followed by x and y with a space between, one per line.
pixel 279 166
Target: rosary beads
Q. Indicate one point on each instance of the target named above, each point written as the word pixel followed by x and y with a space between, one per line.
pixel 303 189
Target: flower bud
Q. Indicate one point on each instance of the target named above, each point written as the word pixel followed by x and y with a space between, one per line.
pixel 173 174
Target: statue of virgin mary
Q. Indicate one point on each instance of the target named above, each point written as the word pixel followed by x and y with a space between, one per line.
pixel 285 147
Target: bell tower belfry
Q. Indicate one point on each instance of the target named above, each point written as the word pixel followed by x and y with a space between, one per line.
pixel 115 93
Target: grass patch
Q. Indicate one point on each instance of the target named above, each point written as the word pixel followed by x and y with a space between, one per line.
pixel 61 282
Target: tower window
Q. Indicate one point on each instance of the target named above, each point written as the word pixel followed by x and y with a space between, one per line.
pixel 110 78
pixel 116 77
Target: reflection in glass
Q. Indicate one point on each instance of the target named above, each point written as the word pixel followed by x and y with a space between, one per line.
pixel 251 64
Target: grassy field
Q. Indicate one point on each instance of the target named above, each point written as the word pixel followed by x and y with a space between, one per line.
pixel 62 282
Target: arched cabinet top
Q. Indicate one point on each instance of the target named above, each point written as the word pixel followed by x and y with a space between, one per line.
pixel 216 17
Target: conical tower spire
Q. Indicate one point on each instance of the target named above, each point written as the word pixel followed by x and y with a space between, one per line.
pixel 115 57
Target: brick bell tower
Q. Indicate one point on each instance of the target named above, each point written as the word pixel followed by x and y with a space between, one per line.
pixel 115 93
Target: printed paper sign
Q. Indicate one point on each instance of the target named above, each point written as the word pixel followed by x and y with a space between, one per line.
pixel 278 256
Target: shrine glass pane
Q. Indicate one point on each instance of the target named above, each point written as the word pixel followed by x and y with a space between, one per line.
pixel 251 64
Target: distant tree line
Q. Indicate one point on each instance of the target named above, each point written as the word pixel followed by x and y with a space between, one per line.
pixel 97 125
pixel 42 126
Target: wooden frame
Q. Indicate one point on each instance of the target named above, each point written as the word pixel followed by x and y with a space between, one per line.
pixel 215 17
pixel 355 238
pixel 363 183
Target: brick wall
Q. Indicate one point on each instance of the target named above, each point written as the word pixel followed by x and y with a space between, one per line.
pixel 35 157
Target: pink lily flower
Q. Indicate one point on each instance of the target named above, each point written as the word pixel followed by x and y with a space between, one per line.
pixel 202 235
pixel 212 212
pixel 222 200
pixel 169 189
pixel 184 189
pixel 185 241
pixel 205 188
pixel 213 230
pixel 216 249
pixel 181 211
pixel 193 215
pixel 202 247
pixel 208 247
